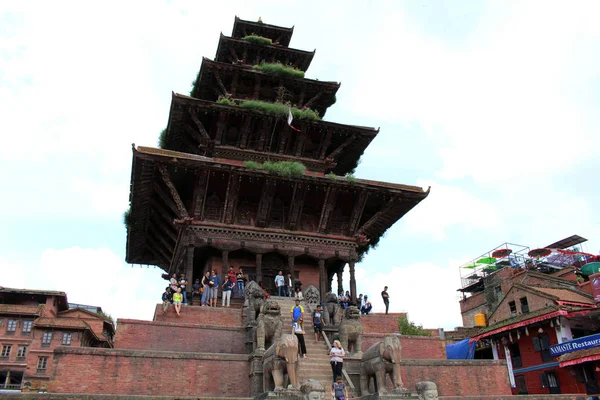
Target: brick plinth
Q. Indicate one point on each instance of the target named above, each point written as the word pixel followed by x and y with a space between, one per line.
pixel 134 372
pixel 413 347
pixel 376 323
pixel 167 336
pixel 208 316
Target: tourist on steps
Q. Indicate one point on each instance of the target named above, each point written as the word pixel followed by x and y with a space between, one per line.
pixel 227 289
pixel 231 277
pixel 339 391
pixel 280 283
pixel 177 299
pixel 289 285
pixel 298 330
pixel 297 311
pixel 205 289
pixel 174 283
pixel 214 288
pixel 196 290
pixel 298 295
pixel 365 306
pixel 336 355
pixel 167 298
pixel 182 285
pixel 318 322
pixel 241 282
pixel 386 299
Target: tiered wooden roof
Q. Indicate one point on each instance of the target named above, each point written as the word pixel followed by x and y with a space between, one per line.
pixel 169 186
pixel 197 191
pixel 277 34
pixel 241 82
pixel 198 127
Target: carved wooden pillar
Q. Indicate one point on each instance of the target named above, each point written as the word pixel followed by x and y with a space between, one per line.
pixel 225 260
pixel 221 126
pixel 340 273
pixel 322 279
pixel 233 186
pixel 292 268
pixel 258 268
pixel 352 281
pixel 189 268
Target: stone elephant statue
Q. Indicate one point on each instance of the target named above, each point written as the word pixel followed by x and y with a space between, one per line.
pixel 331 310
pixel 268 325
pixel 379 360
pixel 351 332
pixel 279 360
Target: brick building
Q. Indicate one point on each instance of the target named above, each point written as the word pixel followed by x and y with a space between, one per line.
pixel 527 308
pixel 32 324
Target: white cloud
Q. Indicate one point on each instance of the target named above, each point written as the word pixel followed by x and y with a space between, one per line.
pixel 450 206
pixel 425 290
pixel 93 277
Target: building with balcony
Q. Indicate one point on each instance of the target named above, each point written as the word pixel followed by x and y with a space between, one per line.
pixel 32 324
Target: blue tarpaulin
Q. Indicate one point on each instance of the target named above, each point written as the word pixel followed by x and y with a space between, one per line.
pixel 460 350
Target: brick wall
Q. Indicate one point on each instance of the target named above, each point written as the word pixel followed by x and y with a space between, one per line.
pixel 413 347
pixel 133 372
pixel 309 275
pixel 375 323
pixel 208 316
pixel 535 303
pixel 166 336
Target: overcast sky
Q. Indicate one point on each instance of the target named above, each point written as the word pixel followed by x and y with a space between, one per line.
pixel 493 104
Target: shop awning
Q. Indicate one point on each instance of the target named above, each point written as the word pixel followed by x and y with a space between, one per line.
pixel 579 357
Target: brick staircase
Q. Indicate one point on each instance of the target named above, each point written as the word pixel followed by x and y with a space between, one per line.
pixel 316 366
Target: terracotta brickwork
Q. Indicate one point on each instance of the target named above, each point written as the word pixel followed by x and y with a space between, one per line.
pixel 377 323
pixel 167 336
pixel 535 302
pixel 413 347
pixel 133 372
pixel 205 316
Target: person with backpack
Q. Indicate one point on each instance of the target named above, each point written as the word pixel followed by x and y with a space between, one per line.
pixel 339 391
pixel 318 322
pixel 336 355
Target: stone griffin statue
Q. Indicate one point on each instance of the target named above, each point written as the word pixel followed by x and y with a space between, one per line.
pixel 312 297
pixel 379 360
pixel 269 324
pixel 351 331
pixel 427 391
pixel 279 360
pixel 332 309
pixel 253 302
pixel 312 390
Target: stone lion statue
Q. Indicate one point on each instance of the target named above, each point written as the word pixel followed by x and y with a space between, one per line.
pixel 381 359
pixel 351 331
pixel 281 360
pixel 253 302
pixel 313 390
pixel 332 309
pixel 269 324
pixel 312 297
pixel 427 391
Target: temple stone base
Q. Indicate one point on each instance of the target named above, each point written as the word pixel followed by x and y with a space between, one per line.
pixel 391 396
pixel 286 394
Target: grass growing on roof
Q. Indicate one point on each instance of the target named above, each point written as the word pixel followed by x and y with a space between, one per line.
pixel 257 39
pixel 225 100
pixel 351 178
pixel 289 169
pixel 279 69
pixel 331 175
pixel 127 218
pixel 278 109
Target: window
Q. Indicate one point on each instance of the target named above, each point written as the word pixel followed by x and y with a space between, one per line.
pixel 550 381
pixel 27 327
pixel 542 345
pixel 66 339
pixel 6 351
pixel 524 305
pixel 42 364
pixel 21 353
pixel 46 339
pixel 515 355
pixel 11 326
pixel 513 308
pixel 521 385
pixel 498 291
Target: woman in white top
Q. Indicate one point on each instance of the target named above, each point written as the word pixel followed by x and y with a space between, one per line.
pixel 336 355
pixel 298 295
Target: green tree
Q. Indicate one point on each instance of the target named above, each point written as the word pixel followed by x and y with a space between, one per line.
pixel 407 327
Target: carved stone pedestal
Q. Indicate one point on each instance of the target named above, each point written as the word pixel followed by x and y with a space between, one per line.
pixel 287 394
pixel 391 396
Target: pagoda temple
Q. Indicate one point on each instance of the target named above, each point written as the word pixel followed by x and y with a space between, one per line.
pixel 235 184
